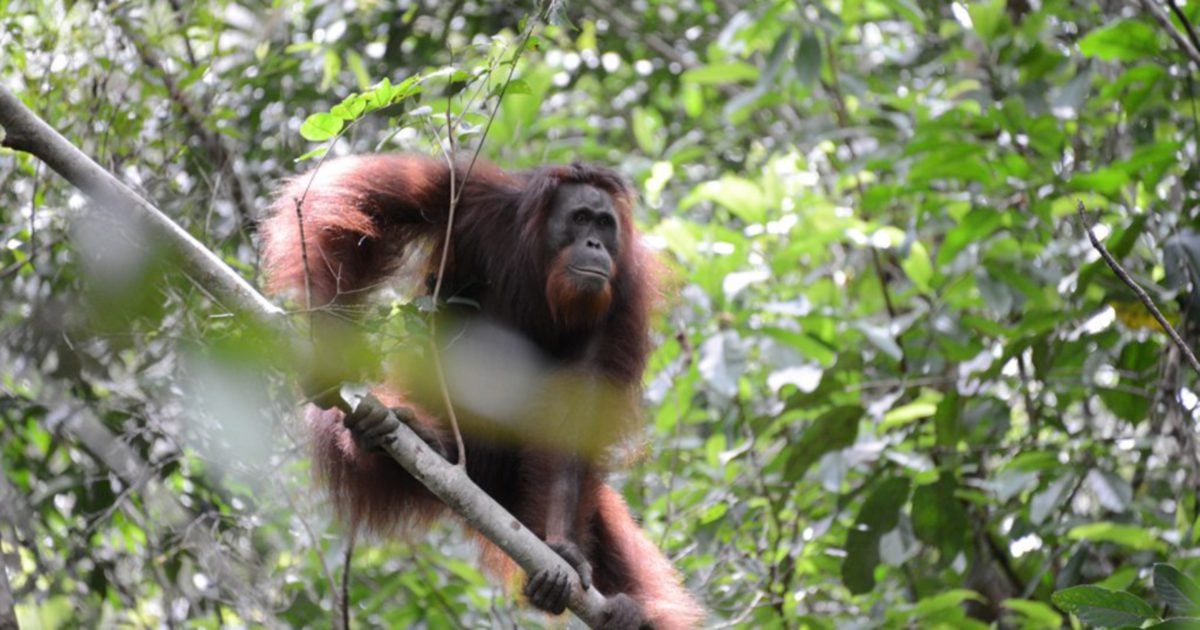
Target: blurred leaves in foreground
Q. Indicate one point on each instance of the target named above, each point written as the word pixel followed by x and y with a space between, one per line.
pixel 894 385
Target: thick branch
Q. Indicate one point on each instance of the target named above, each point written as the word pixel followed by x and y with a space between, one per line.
pixel 26 132
pixel 452 485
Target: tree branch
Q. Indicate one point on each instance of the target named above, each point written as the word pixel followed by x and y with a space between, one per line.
pixel 79 423
pixel 25 131
pixel 1164 20
pixel 1137 290
pixel 452 485
pixel 1187 25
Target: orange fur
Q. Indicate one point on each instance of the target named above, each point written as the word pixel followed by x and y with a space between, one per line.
pixel 570 307
pixel 335 234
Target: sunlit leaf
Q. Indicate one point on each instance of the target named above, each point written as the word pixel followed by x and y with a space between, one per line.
pixel 721 73
pixel 743 197
pixel 1035 614
pixel 1130 536
pixel 320 127
pixel 1125 39
pixel 918 266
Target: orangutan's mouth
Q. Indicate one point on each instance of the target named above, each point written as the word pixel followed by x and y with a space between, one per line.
pixel 590 271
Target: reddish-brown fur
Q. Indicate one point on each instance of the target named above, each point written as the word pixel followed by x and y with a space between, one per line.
pixel 570 308
pixel 361 217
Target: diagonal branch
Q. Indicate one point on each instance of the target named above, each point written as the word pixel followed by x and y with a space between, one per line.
pixel 1187 24
pixel 1164 20
pixel 24 131
pixel 1137 290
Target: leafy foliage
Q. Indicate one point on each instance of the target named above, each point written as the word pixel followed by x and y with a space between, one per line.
pixel 1106 608
pixel 894 383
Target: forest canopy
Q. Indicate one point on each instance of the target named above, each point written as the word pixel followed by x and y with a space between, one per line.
pixel 924 356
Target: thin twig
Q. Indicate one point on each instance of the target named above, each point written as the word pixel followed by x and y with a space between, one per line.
pixel 347 556
pixel 1165 20
pixel 294 506
pixel 304 253
pixel 540 16
pixel 1141 294
pixel 37 172
pixel 842 118
pixel 193 116
pixel 456 190
pixel 1187 24
pixel 312 177
pixel 1032 411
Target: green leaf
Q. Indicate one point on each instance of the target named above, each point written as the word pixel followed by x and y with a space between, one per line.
pixel 404 89
pixel 952 598
pixel 1141 86
pixel 834 430
pixel 1135 364
pixel 351 108
pixel 378 97
pixel 331 68
pixel 1177 590
pixel 1130 536
pixel 808 345
pixel 1126 40
pixel 718 74
pixel 961 161
pixel 1101 607
pixel 713 513
pixel 1105 181
pixel 979 224
pixel 741 196
pixel 947 419
pixel 320 127
pixel 879 514
pixel 921 408
pixel 910 11
pixel 938 517
pixel 1035 614
pixel 989 18
pixel 315 153
pixel 1035 460
pixel 354 60
pixel 1120 579
pixel 648 130
pixel 917 267
pixel 808 58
